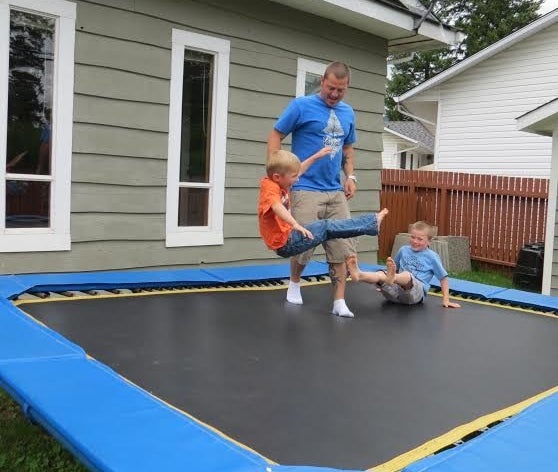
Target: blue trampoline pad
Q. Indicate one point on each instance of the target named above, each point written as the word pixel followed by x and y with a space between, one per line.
pixel 525 442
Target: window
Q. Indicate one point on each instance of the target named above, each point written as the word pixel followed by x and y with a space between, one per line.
pixel 36 106
pixel 197 139
pixel 308 77
pixel 403 160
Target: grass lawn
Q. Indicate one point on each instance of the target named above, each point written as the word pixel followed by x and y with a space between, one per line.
pixel 25 447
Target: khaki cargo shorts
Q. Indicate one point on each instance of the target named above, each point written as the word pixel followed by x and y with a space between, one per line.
pixel 311 206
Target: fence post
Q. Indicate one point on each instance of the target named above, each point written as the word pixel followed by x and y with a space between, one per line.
pixel 443 217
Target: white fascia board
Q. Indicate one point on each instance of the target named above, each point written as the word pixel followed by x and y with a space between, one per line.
pixel 542 120
pixel 499 46
pixel 402 136
pixel 395 25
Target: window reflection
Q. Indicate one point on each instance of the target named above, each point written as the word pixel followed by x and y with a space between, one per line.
pixel 311 83
pixel 195 145
pixel 192 206
pixel 196 117
pixel 27 204
pixel 30 87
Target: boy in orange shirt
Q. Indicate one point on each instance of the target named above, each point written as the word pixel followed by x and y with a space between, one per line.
pixel 280 231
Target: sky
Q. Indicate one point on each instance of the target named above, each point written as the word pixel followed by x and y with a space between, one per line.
pixel 548 5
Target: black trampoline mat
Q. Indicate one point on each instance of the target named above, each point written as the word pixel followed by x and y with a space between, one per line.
pixel 301 386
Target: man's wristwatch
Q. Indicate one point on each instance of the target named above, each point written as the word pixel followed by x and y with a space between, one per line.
pixel 353 178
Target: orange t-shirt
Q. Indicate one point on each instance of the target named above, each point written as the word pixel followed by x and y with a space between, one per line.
pixel 273 229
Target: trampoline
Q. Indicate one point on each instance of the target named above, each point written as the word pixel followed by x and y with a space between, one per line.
pixel 213 371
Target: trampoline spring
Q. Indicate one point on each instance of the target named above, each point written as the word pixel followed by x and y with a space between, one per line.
pixel 113 290
pixel 91 292
pixel 42 294
pixel 66 293
pixel 494 423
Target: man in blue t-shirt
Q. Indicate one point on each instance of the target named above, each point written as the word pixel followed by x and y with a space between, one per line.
pixel 316 121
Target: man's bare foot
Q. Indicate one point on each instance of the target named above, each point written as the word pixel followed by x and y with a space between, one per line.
pixel 391 271
pixel 380 216
pixel 352 267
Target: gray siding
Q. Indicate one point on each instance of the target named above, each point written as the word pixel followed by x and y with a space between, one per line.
pixel 122 80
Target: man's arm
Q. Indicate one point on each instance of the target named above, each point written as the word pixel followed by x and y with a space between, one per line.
pixel 348 169
pixel 274 141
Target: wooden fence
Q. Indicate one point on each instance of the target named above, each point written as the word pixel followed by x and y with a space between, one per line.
pixel 498 214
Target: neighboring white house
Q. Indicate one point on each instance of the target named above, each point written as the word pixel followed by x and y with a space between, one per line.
pixel 471 107
pixel 407 145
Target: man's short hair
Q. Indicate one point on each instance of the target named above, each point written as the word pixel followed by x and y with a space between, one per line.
pixel 339 69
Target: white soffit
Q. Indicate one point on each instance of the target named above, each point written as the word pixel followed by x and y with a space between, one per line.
pixel 542 120
pixel 388 22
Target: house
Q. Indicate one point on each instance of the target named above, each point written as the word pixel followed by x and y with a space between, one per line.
pixel 543 121
pixel 407 145
pixel 134 132
pixel 471 107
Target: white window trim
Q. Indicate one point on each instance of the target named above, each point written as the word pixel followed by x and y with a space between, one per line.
pixel 305 66
pixel 212 234
pixel 57 237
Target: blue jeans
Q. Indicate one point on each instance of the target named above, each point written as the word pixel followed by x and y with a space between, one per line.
pixel 324 230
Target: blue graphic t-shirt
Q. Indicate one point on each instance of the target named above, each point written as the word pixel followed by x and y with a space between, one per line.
pixel 313 125
pixel 422 264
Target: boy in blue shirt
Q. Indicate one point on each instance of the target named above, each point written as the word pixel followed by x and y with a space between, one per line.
pixel 407 277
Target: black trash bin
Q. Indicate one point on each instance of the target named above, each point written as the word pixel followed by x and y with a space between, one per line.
pixel 528 272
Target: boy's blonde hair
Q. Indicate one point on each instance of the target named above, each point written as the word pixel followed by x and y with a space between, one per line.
pixel 425 228
pixel 281 162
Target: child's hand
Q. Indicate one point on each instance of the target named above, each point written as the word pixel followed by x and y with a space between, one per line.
pixel 304 231
pixel 325 151
pixel 449 304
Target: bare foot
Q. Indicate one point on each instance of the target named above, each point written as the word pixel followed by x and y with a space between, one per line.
pixel 352 267
pixel 380 216
pixel 391 271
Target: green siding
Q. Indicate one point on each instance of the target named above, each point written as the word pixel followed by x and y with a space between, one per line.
pixel 120 140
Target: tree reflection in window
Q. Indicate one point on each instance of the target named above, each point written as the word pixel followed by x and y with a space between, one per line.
pixel 195 148
pixel 312 83
pixel 30 87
